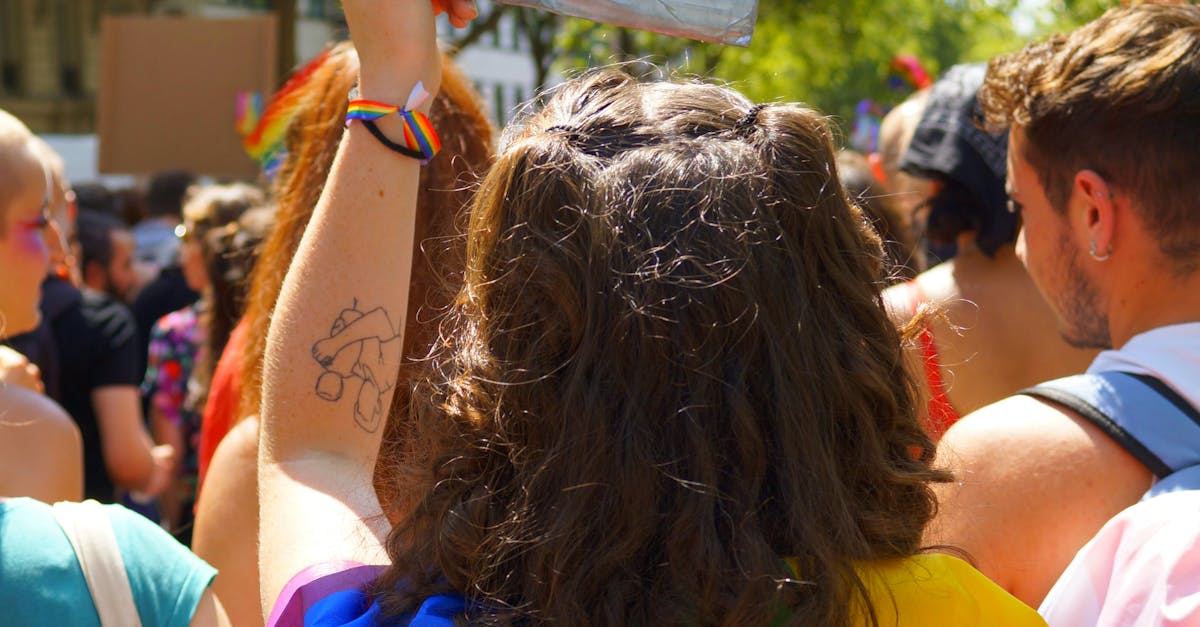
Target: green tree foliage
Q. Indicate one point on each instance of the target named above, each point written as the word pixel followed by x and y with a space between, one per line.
pixel 1063 15
pixel 828 53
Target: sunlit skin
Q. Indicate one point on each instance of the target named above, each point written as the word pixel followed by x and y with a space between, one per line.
pixel 1128 288
pixel 191 259
pixel 23 252
pixel 120 270
pixel 460 12
pixel 995 334
pixel 1034 481
pixel 1051 254
pixel 58 235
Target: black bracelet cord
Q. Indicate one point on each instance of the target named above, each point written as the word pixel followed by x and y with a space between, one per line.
pixel 391 145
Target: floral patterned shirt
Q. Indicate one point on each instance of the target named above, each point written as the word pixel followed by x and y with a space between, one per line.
pixel 175 344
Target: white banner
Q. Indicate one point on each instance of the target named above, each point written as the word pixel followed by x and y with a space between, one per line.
pixel 720 21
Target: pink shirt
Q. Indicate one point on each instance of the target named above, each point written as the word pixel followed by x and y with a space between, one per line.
pixel 1142 568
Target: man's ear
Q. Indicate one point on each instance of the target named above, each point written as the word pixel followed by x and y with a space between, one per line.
pixel 1093 196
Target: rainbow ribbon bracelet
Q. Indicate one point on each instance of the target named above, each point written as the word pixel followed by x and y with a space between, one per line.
pixel 420 140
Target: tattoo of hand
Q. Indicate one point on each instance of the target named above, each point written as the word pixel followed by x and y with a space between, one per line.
pixel 362 349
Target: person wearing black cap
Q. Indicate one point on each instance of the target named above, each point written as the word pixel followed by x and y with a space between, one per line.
pixel 993 334
pixel 1081 495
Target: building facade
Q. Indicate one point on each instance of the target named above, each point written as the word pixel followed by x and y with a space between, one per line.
pixel 48 65
pixel 49 53
pixel 498 63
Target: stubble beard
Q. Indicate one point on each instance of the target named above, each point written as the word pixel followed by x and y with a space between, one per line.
pixel 1085 319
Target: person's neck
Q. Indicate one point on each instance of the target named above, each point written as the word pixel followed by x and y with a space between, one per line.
pixel 1154 299
pixel 969 254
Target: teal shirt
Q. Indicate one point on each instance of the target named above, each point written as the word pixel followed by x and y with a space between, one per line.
pixel 41 582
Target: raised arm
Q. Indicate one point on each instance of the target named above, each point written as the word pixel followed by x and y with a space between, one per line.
pixel 323 400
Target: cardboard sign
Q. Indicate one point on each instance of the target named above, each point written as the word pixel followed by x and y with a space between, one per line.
pixel 168 92
pixel 720 21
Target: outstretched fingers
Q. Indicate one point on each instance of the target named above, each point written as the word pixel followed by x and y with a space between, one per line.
pixel 461 12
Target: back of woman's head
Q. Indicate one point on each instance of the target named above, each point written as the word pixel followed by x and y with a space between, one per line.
pixel 214 206
pixel 233 250
pixel 210 213
pixel 230 252
pixel 668 369
pixel 312 140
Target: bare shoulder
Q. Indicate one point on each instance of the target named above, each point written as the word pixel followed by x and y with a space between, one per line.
pixel 26 416
pixel 935 286
pixel 41 452
pixel 1025 450
pixel 1030 433
pixel 898 300
pixel 241 442
pixel 230 487
pixel 1032 483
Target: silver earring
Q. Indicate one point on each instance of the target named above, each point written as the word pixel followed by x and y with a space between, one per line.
pixel 1104 257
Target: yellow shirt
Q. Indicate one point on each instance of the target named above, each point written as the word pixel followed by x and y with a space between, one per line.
pixel 934 589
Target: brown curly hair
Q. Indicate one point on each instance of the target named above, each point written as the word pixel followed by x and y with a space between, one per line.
pixel 1121 96
pixel 210 212
pixel 669 368
pixel 904 259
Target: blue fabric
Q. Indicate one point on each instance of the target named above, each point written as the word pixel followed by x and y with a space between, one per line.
pixel 1147 416
pixel 353 608
pixel 348 608
pixel 1186 479
pixel 333 594
pixel 41 582
pixel 166 578
pixel 1140 411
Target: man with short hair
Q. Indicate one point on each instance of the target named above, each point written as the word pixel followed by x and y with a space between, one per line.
pixel 157 246
pixel 100 368
pixel 107 254
pixel 1103 154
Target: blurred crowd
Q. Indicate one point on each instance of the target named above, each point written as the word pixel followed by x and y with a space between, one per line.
pixel 663 355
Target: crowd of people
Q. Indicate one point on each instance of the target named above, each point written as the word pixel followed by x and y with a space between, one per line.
pixel 656 354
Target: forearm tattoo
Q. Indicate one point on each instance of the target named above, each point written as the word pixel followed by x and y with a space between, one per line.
pixel 362 353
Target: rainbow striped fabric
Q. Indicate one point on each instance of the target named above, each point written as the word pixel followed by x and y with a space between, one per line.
pixel 264 129
pixel 418 130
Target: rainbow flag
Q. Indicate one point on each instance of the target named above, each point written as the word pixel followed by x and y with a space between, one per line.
pixel 264 130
